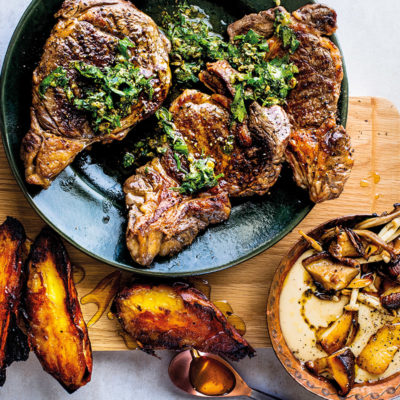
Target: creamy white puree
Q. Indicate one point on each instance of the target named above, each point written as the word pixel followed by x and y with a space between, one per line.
pixel 300 337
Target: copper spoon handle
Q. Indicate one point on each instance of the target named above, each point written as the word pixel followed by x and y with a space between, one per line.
pixel 257 395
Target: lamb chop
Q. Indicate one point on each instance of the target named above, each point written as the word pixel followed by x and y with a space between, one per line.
pixel 161 220
pixel 248 154
pixel 100 42
pixel 319 150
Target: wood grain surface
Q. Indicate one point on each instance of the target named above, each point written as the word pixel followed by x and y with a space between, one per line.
pixel 374 125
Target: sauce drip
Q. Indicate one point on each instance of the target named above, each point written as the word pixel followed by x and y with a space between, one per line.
pixel 102 295
pixel 78 273
pixel 231 317
pixel 130 343
pixel 364 183
pixel 210 377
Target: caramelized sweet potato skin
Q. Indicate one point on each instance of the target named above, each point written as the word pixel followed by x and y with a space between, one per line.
pixel 13 343
pixel 177 316
pixel 56 329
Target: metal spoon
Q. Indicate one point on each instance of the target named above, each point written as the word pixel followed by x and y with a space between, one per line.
pixel 183 366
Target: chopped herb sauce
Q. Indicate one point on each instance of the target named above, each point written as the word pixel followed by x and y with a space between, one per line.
pixel 106 94
pixel 56 78
pixel 167 126
pixel 201 176
pixel 284 32
pixel 194 44
pixel 201 171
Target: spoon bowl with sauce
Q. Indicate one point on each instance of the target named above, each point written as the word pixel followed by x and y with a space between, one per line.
pixel 208 375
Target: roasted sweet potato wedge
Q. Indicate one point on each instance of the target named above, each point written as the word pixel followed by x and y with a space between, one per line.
pixel 13 343
pixel 340 333
pixel 340 366
pixel 55 326
pixel 331 274
pixel 376 356
pixel 177 316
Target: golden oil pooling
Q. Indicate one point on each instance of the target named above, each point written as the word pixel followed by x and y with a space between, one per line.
pixel 376 177
pixel 78 273
pixel 102 295
pixel 201 284
pixel 231 317
pixel 130 343
pixel 110 315
pixel 364 183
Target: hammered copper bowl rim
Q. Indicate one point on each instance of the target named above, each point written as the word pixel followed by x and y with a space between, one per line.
pixel 384 389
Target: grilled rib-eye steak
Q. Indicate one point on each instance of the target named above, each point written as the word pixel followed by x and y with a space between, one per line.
pixel 89 31
pixel 248 154
pixel 319 150
pixel 161 221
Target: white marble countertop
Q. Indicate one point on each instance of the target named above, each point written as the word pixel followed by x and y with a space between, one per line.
pixel 369 34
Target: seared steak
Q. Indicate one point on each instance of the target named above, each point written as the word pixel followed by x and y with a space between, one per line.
pixel 312 104
pixel 249 154
pixel 162 221
pixel 89 31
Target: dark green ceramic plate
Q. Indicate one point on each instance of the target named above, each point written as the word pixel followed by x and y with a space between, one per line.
pixel 85 203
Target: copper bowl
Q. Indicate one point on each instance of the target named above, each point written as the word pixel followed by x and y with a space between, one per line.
pixel 384 389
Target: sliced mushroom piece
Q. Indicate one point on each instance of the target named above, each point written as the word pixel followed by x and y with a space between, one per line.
pixel 331 274
pixel 396 246
pixel 374 239
pixel 362 282
pixel 340 366
pixel 353 306
pixel 380 220
pixel 391 230
pixel 339 333
pixel 390 270
pixel 390 298
pixel 346 244
pixel 376 356
pixel 368 300
pixel 311 241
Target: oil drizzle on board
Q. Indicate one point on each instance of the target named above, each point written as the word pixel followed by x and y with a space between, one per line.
pixel 102 295
pixel 203 286
pixel 78 273
pixel 110 315
pixel 231 317
pixel 130 343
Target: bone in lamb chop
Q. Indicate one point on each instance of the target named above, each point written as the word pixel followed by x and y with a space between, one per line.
pixel 319 149
pixel 91 41
pixel 162 221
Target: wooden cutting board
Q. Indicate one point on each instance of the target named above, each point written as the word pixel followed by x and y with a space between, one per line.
pixel 374 126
